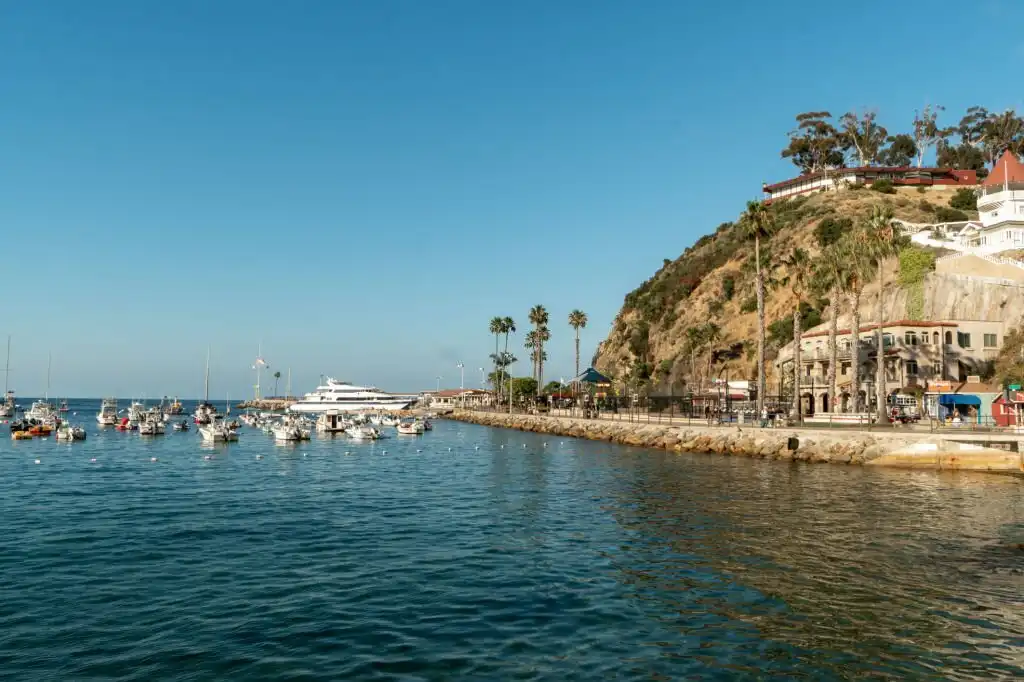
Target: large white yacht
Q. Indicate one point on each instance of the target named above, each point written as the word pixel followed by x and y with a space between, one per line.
pixel 346 397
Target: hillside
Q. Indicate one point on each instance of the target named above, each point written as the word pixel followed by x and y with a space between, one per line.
pixel 699 310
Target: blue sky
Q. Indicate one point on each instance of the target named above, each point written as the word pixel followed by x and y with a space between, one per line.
pixel 361 186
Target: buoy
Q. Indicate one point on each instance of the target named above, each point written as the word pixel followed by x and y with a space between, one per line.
pixel 152 459
pixel 419 451
pixel 502 447
pixel 92 461
pixel 259 456
pixel 524 445
pixel 303 454
pixel 384 453
pixel 38 462
pixel 348 452
pixel 206 458
pixel 545 444
pixel 449 449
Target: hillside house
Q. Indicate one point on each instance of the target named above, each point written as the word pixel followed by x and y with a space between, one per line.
pixel 840 177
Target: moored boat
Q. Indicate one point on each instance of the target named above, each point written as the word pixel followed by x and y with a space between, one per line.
pixel 68 433
pixel 218 431
pixel 410 428
pixel 362 432
pixel 107 415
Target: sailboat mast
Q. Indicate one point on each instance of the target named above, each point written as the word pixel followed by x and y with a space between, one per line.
pixel 288 388
pixel 207 395
pixel 7 370
pixel 49 362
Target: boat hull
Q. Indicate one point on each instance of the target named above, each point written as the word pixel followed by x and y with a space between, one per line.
pixel 369 405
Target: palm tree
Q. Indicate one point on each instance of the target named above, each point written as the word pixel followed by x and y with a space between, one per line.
pixel 539 320
pixel 277 377
pixel 881 239
pixel 496 327
pixel 508 325
pixel 858 269
pixel 530 343
pixel 577 320
pixel 758 222
pixel 799 271
pixel 831 272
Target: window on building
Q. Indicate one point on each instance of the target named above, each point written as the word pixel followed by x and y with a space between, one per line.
pixel 910 338
pixel 807 371
pixel 887 340
pixel 949 338
pixel 935 338
pixel 924 339
pixel 990 341
pixel 963 339
pixel 844 368
pixel 911 368
pixel 937 369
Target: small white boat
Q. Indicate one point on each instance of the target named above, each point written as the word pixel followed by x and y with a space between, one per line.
pixel 362 432
pixel 181 426
pixel 332 421
pixel 43 412
pixel 152 424
pixel 413 428
pixel 68 433
pixel 217 431
pixel 204 414
pixel 107 415
pixel 7 407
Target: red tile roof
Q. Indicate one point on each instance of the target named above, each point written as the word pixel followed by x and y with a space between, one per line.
pixel 872 326
pixel 1007 169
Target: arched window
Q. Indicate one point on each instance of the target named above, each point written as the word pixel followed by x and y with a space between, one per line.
pixel 935 338
pixel 949 338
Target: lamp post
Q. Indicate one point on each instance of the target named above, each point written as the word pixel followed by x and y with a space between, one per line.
pixel 462 383
pixel 482 381
pixel 439 383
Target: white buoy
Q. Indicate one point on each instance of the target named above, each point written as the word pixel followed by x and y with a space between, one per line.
pixel 524 445
pixel 259 456
pixel 38 461
pixel 303 454
pixel 152 459
pixel 384 453
pixel 206 458
pixel 449 449
pixel 92 461
pixel 348 452
pixel 476 447
pixel 419 451
pixel 502 447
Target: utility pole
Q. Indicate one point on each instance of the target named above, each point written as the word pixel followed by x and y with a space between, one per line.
pixel 462 383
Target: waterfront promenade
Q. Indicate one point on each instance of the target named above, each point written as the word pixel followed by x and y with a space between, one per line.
pixel 895 447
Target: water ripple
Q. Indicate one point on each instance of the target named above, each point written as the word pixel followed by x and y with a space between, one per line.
pixel 575 561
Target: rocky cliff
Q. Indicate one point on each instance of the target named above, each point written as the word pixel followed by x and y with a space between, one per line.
pixel 697 315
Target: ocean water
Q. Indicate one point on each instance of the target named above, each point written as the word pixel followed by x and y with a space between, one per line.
pixel 484 554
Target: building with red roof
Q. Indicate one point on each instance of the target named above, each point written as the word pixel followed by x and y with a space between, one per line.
pixel 865 175
pixel 1000 209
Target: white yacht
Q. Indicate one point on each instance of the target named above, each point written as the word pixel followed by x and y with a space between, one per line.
pixel 346 397
pixel 108 412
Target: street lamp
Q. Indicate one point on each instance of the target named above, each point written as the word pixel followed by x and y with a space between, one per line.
pixel 439 384
pixel 462 383
pixel 482 382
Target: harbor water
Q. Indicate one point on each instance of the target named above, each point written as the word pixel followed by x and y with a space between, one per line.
pixel 488 554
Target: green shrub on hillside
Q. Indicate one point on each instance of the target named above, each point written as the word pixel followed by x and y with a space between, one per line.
pixel 728 287
pixel 964 200
pixel 857 186
pixel 749 305
pixel 949 215
pixel 830 230
pixel 926 206
pixel 884 186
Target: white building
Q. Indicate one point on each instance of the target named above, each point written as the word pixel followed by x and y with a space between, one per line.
pixel 1000 210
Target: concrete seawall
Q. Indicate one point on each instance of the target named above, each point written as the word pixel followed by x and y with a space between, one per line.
pixel 883 448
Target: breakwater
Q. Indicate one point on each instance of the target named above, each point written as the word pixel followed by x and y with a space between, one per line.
pixel 895 448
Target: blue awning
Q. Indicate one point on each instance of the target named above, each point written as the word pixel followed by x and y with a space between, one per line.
pixel 959 399
pixel 591 376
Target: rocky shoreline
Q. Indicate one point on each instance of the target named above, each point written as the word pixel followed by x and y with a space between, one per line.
pixel 895 449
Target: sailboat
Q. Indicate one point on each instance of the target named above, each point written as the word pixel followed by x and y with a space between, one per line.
pixel 7 407
pixel 205 411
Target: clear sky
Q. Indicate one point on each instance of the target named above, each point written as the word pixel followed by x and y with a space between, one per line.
pixel 361 186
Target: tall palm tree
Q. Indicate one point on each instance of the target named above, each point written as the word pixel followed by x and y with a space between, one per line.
pixel 539 319
pixel 577 320
pixel 758 223
pixel 530 343
pixel 277 378
pixel 831 272
pixel 881 240
pixel 858 270
pixel 508 325
pixel 497 327
pixel 799 271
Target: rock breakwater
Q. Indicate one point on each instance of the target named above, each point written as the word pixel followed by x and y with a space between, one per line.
pixel 883 448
